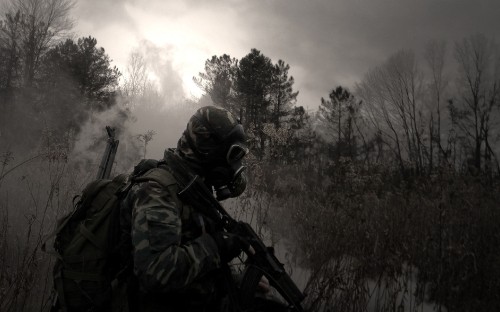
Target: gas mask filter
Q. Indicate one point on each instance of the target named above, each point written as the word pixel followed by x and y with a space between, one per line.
pixel 233 188
pixel 229 179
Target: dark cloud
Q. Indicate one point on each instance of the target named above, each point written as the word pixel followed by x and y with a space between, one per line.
pixel 336 42
pixel 326 43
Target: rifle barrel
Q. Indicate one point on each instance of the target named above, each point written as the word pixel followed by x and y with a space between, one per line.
pixel 108 157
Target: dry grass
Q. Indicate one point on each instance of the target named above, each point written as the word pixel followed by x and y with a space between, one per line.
pixel 363 239
pixel 372 241
pixel 34 193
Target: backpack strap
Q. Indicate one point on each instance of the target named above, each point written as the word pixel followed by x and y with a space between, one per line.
pixel 93 188
pixel 92 238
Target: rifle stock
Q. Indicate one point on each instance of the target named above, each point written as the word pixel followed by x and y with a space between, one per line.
pixel 264 262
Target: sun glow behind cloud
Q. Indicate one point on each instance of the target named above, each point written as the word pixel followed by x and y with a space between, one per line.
pixel 189 37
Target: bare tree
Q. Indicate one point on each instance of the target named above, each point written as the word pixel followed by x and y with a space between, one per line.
pixel 42 23
pixel 392 94
pixel 138 88
pixel 9 49
pixel 478 94
pixel 146 138
pixel 136 81
pixel 434 55
pixel 379 114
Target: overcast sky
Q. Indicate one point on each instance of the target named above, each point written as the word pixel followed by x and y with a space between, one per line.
pixel 326 43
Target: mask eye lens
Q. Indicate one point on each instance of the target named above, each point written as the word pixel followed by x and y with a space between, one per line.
pixel 235 153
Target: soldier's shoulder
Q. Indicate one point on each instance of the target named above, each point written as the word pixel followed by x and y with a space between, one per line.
pixel 163 175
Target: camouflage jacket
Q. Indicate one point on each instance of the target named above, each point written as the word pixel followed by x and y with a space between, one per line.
pixel 175 261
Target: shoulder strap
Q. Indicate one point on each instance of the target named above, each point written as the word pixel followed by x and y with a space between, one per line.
pixel 165 178
pixel 159 175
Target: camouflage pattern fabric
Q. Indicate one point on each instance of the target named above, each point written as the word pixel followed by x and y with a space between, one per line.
pixel 175 262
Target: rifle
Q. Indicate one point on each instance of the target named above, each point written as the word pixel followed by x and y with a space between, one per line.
pixel 261 261
pixel 109 155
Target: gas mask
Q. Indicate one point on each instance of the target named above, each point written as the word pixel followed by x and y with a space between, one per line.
pixel 214 144
pixel 228 178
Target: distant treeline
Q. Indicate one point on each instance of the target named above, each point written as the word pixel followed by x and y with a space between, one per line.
pixel 417 114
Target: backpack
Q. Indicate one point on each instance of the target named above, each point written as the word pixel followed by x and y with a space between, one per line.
pixel 87 245
pixel 91 268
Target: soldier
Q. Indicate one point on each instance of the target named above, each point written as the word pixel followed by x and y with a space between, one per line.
pixel 177 251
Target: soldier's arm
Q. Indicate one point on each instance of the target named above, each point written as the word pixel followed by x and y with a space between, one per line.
pixel 161 262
